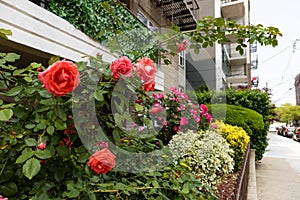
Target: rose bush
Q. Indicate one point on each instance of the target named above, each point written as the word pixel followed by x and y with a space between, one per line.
pixel 43 154
pixel 52 148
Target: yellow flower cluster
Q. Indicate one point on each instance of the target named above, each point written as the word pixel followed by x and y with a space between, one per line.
pixel 236 137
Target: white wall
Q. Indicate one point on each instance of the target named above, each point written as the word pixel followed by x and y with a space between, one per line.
pixel 38 28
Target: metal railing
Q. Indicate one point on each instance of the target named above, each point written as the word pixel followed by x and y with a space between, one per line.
pixel 41 3
pixel 227 1
pixel 241 190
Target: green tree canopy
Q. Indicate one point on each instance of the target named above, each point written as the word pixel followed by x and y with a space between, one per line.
pixel 287 112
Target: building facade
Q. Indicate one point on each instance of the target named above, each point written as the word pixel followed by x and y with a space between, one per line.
pixel 297 89
pixel 237 67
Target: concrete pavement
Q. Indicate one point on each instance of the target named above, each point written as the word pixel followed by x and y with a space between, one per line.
pixel 277 174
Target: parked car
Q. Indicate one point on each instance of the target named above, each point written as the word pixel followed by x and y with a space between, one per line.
pixel 280 130
pixel 296 134
pixel 289 131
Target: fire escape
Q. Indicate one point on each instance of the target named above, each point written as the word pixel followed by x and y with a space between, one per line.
pixel 180 12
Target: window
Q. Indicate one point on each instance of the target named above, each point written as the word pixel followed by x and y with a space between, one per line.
pixel 181 59
pixel 146 21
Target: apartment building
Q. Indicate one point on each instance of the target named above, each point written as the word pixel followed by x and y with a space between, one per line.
pixel 158 16
pixel 297 89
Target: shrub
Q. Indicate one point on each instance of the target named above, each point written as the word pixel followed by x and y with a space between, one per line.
pixel 249 120
pixel 206 153
pixel 237 138
pixel 252 99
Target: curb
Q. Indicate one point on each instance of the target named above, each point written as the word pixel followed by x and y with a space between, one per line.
pixel 252 193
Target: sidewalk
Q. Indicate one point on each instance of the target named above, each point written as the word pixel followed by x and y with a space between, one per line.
pixel 278 173
pixel 277 180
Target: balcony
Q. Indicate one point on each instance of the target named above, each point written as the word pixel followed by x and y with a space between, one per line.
pixel 232 8
pixel 180 12
pixel 234 57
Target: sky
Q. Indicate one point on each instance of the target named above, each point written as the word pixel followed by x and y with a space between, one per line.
pixel 278 66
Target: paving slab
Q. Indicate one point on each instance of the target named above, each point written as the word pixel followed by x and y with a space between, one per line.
pixel 276 179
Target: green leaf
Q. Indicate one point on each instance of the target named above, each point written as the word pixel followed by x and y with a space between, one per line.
pixel 138 107
pixel 53 59
pixel 11 57
pixel 26 154
pixel 18 72
pixel 50 130
pixel 99 95
pixel 28 79
pixel 14 91
pixel 31 168
pixel 9 105
pixel 29 126
pixel 9 189
pixel 59 174
pixel 47 102
pixel 45 94
pixel 63 151
pixel 6 114
pixel 73 193
pixel 5 32
pixel 61 114
pixel 30 142
pixel 43 154
pixel 6 175
pixel 60 125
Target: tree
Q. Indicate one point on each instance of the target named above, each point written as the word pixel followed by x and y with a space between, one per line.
pixel 288 113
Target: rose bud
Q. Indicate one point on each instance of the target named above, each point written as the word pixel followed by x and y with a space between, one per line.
pixel 41 146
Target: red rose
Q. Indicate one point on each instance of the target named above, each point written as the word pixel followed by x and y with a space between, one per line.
pixel 145 69
pixel 149 86
pixel 102 161
pixel 121 66
pixel 60 78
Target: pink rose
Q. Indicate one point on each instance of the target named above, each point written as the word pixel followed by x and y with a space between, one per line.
pixel 145 69
pixel 182 46
pixel 121 65
pixel 204 108
pixel 184 121
pixel 60 78
pixel 156 109
pixel 165 123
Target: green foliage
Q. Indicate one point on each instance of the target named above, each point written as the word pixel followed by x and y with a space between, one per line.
pixel 249 120
pixel 210 30
pixel 4 33
pixel 288 112
pixel 206 154
pixel 252 99
pixel 60 171
pixel 238 140
pixel 113 25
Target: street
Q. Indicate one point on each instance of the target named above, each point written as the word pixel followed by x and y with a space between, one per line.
pixel 278 173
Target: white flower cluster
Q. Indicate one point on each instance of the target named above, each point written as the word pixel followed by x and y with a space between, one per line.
pixel 209 154
pixel 180 143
